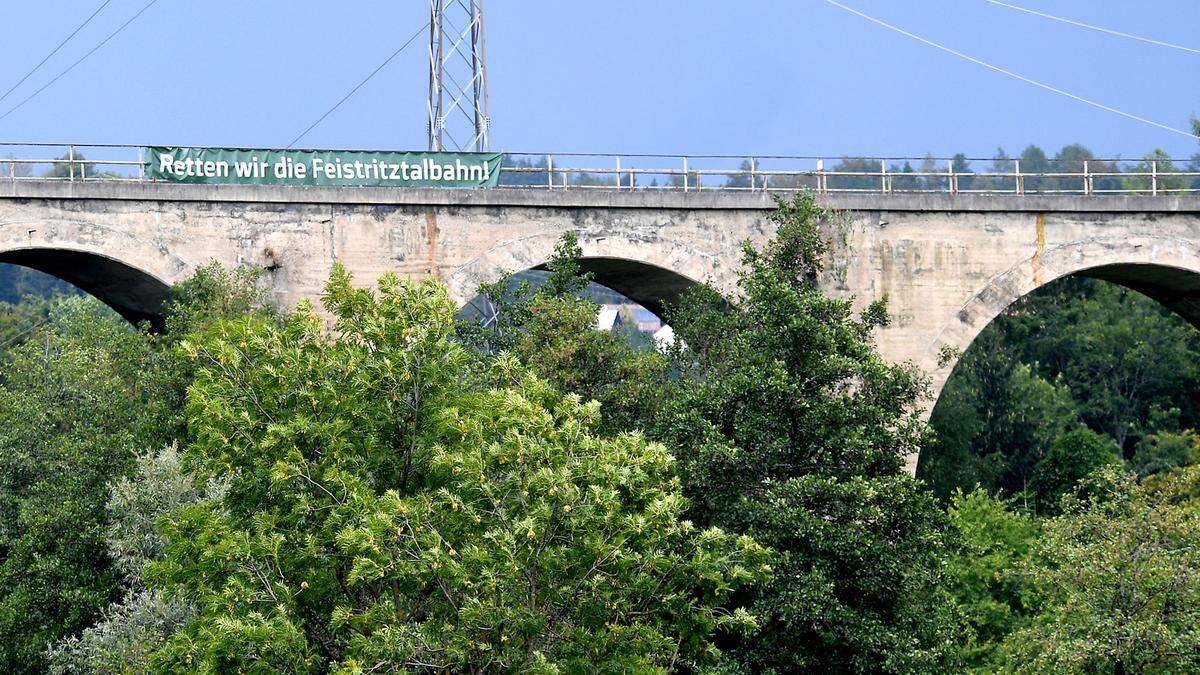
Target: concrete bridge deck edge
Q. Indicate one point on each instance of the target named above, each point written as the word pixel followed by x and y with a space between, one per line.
pixel 587 198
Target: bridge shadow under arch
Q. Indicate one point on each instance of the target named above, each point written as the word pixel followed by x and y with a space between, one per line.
pixel 135 294
pixel 648 285
pixel 1164 267
pixel 1173 283
pixel 652 287
pixel 1175 288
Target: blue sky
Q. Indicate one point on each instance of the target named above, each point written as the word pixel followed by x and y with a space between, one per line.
pixel 672 76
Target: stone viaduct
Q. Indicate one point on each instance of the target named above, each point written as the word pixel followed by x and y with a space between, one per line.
pixel 947 263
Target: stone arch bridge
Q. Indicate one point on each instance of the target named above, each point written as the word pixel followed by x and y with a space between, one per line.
pixel 948 264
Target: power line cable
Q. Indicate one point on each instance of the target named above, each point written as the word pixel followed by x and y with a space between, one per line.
pixel 998 69
pixel 1089 26
pixel 55 50
pixel 12 339
pixel 359 85
pixel 79 60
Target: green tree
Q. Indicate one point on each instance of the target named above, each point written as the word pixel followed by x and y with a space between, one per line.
pixel 792 428
pixel 1117 575
pixel 677 179
pixel 1074 158
pixel 552 330
pixel 1165 450
pixel 1070 159
pixel 1119 352
pixel 1156 169
pixel 741 180
pixel 1001 163
pixel 992 542
pixel 996 420
pixel 126 637
pixel 1035 161
pixel 76 404
pixel 930 181
pixel 861 165
pixel 964 176
pixel 1072 457
pixel 18 283
pixel 562 345
pixel 80 397
pixel 132 629
pixel 523 171
pixel 512 302
pixel 21 321
pixel 901 178
pixel 394 502
pixel 1099 354
pixel 71 165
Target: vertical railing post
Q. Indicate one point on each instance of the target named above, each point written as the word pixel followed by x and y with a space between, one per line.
pixel 71 161
pixel 822 185
pixel 883 177
pixel 953 180
pixel 618 173
pixel 1153 177
pixel 685 174
pixel 1087 180
pixel 753 168
pixel 141 160
pixel 550 171
pixel 1019 186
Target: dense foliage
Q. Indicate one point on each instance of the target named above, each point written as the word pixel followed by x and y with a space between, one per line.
pixel 394 504
pixel 132 629
pixel 82 393
pixel 792 428
pixel 1108 586
pixel 789 427
pixel 1118 575
pixel 552 329
pixel 22 285
pixel 78 401
pixel 992 541
pixel 1019 416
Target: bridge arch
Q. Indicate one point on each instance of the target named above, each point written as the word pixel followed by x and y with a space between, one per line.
pixel 1164 268
pixel 131 276
pixel 650 270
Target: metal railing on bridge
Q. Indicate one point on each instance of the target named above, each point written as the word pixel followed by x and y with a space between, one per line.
pixel 1154 175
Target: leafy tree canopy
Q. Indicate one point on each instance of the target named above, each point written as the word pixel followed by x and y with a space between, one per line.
pixel 1072 457
pixel 992 541
pixel 76 404
pixel 552 330
pixel 393 502
pixel 790 427
pixel 82 393
pixel 1117 573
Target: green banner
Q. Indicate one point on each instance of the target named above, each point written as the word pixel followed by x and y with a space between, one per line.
pixel 323 167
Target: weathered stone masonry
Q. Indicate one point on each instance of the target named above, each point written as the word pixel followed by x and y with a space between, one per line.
pixel 947 264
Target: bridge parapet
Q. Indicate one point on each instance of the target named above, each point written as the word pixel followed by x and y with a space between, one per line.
pixel 763 200
pixel 1153 176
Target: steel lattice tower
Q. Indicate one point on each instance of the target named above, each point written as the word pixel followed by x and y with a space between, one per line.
pixel 458 98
